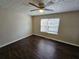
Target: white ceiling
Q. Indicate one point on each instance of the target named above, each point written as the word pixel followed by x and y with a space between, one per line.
pixel 22 5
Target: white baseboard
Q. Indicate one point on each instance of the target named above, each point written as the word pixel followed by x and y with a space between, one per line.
pixel 41 36
pixel 58 40
pixel 13 41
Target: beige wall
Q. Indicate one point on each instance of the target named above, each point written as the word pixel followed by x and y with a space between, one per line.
pixel 68 30
pixel 14 25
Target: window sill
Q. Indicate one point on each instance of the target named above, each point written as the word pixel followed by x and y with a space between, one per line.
pixel 50 33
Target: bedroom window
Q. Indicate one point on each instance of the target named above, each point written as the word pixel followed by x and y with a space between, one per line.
pixel 50 25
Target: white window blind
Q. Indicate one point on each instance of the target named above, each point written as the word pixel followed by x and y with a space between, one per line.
pixel 50 25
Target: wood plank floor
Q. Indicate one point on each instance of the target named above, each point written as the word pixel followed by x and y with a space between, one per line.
pixel 35 47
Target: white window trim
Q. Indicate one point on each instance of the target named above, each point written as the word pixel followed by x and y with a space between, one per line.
pixel 56 33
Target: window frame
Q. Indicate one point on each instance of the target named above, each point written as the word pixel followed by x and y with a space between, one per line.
pixel 55 33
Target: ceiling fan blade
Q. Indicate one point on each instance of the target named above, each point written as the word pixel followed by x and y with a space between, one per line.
pixel 53 1
pixel 49 3
pixel 34 10
pixel 33 4
pixel 48 9
pixel 39 1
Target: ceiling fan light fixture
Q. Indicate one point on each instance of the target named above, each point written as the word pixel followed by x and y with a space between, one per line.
pixel 41 10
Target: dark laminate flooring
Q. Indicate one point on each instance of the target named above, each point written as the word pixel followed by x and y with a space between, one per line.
pixel 35 47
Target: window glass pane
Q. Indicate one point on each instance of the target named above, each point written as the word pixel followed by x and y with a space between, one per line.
pixel 50 25
pixel 44 25
pixel 53 22
pixel 53 25
pixel 44 29
pixel 44 22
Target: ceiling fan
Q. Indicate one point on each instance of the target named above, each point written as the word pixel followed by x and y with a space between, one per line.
pixel 41 6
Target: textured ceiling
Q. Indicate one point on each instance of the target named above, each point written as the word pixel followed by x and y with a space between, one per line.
pixel 22 5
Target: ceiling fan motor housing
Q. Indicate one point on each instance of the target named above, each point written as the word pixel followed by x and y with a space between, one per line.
pixel 41 5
